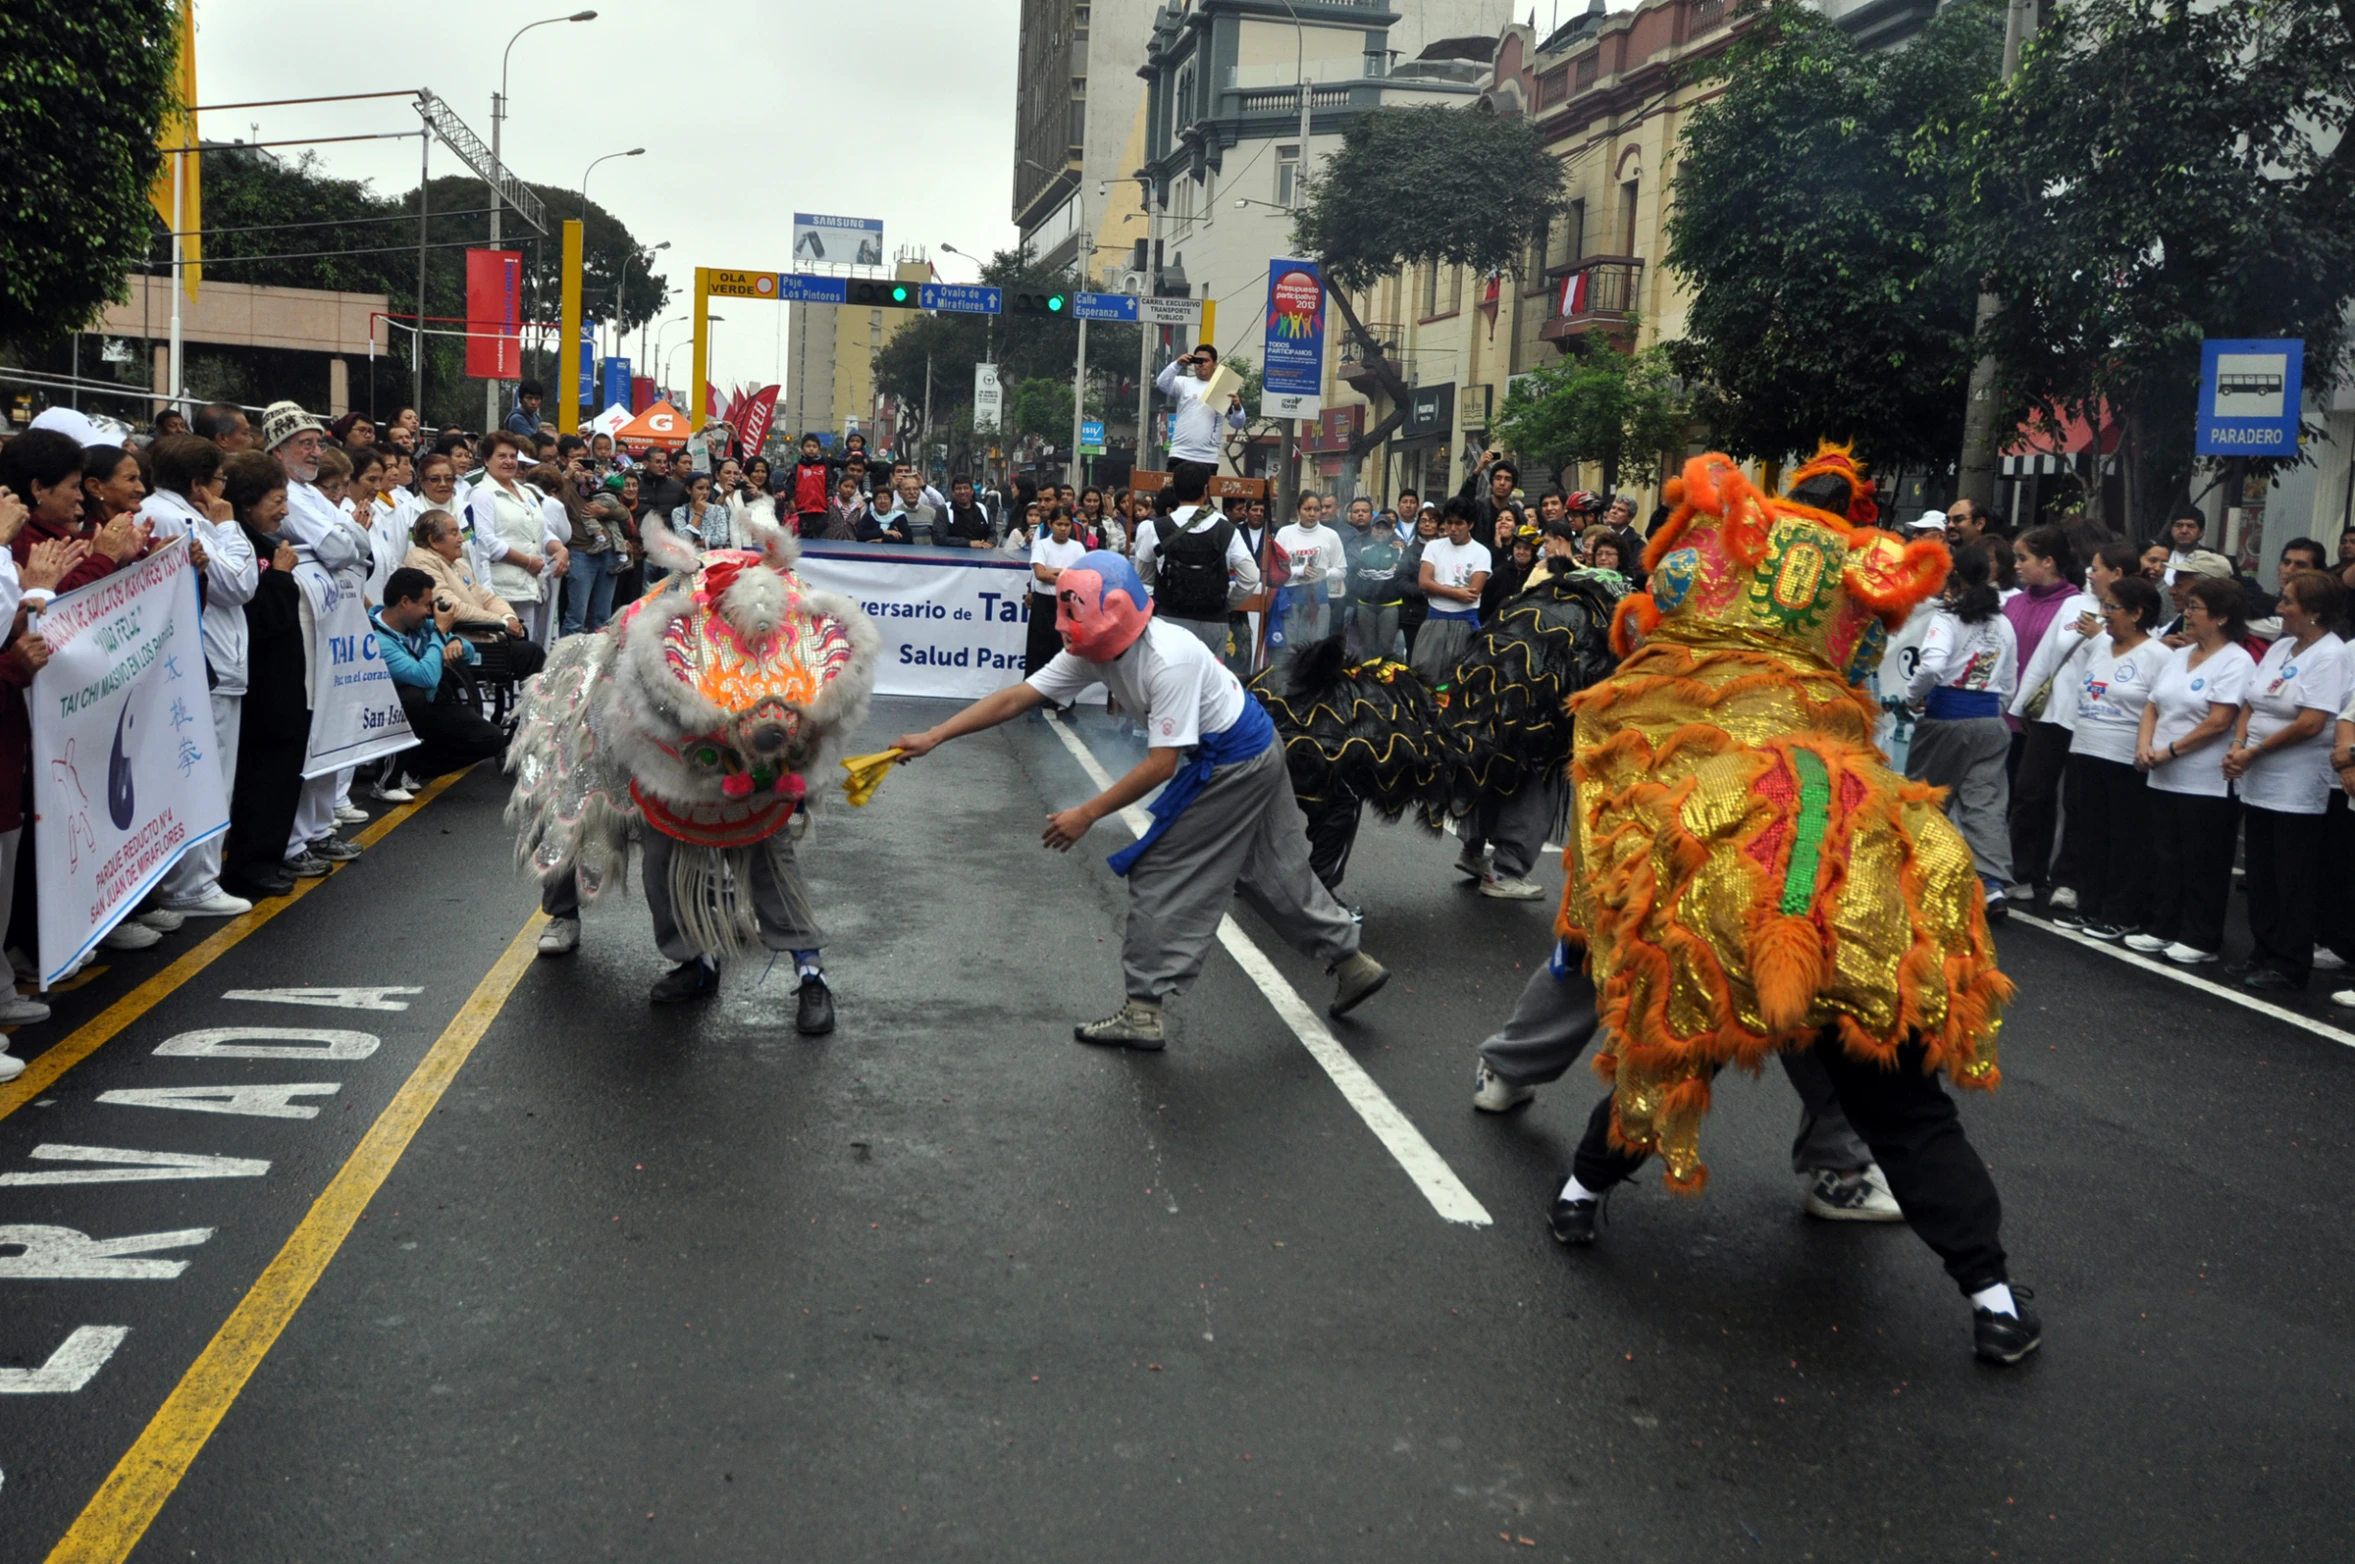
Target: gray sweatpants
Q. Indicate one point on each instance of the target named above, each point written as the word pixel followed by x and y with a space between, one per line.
pixel 1556 1018
pixel 1243 829
pixel 779 928
pixel 1517 825
pixel 1212 633
pixel 1439 646
pixel 1373 630
pixel 1966 757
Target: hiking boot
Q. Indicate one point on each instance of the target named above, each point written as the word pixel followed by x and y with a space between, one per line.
pixel 1136 1024
pixel 1358 978
pixel 696 979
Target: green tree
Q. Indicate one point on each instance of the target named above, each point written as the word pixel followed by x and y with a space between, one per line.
pixel 1622 412
pixel 1815 227
pixel 1042 407
pixel 2154 175
pixel 1424 187
pixel 83 89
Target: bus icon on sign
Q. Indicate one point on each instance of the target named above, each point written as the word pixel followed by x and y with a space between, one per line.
pixel 2251 385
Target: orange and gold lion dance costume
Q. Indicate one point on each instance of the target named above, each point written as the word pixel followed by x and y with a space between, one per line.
pixel 1744 870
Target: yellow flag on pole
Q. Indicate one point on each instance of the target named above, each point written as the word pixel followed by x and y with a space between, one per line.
pixel 182 171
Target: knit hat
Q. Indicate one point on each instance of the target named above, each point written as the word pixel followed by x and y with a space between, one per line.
pixel 282 421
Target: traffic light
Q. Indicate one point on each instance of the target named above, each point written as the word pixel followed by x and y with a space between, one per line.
pixel 1040 303
pixel 886 295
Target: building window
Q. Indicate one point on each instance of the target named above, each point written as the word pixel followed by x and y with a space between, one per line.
pixel 1209 189
pixel 1588 68
pixel 1287 173
pixel 1430 291
pixel 1553 87
pixel 1627 201
pixel 1575 233
pixel 1455 288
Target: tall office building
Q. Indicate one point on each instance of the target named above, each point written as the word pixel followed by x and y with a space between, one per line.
pixel 830 360
pixel 1076 142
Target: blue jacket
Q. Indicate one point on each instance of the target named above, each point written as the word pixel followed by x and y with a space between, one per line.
pixel 415 659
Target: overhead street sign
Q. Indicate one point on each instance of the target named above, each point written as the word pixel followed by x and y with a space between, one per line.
pixel 961 298
pixel 725 284
pixel 801 288
pixel 2250 394
pixel 1104 306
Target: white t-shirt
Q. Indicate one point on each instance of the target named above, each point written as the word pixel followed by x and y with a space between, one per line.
pixel 1167 674
pixel 1454 565
pixel 1055 556
pixel 1984 656
pixel 2293 780
pixel 2183 695
pixel 1317 559
pixel 2111 694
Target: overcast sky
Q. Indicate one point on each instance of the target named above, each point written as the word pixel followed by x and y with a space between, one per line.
pixel 897 109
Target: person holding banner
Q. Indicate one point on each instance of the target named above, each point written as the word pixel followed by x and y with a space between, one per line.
pixel 1227 817
pixel 274 719
pixel 187 499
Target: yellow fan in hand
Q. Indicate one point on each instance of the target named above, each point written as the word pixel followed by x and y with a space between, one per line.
pixel 866 774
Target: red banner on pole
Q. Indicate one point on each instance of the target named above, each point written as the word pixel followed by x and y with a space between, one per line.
pixel 494 314
pixel 641 393
pixel 757 414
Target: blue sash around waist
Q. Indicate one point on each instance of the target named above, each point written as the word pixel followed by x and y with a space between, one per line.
pixel 1948 704
pixel 1243 739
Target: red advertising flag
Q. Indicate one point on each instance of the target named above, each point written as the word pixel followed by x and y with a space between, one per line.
pixel 494 314
pixel 758 411
pixel 734 416
pixel 641 393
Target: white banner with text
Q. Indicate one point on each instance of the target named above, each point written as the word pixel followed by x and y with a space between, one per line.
pixel 953 620
pixel 355 706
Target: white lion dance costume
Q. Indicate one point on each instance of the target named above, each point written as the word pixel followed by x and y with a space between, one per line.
pixel 693 722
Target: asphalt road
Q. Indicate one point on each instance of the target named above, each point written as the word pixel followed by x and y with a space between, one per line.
pixel 679 1284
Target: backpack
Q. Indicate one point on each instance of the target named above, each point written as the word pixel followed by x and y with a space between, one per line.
pixel 1192 569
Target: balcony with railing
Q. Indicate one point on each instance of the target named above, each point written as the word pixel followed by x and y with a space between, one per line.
pixel 1597 295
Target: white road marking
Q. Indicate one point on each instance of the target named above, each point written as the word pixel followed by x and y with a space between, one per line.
pixel 2168 969
pixel 65 1254
pixel 70 1367
pixel 133 1166
pixel 331 998
pixel 254 1102
pixel 1397 1133
pixel 267 1042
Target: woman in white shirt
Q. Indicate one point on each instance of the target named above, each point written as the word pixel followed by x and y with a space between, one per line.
pixel 1967 673
pixel 2193 706
pixel 2280 768
pixel 511 534
pixel 1055 551
pixel 2056 673
pixel 2108 799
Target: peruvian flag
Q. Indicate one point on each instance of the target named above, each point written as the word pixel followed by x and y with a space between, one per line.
pixel 1574 293
pixel 759 409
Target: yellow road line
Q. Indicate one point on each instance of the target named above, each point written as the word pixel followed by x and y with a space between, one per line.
pixel 134 1493
pixel 42 1071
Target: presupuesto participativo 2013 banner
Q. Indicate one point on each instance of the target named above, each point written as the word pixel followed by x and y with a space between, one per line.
pixel 125 775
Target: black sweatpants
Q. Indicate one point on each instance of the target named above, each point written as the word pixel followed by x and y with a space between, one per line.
pixel 2109 818
pixel 2334 911
pixel 2191 867
pixel 2284 864
pixel 262 803
pixel 2043 750
pixel 1040 642
pixel 1916 1136
pixel 451 734
pixel 1332 832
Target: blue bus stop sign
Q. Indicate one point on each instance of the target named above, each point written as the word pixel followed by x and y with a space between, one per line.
pixel 2250 391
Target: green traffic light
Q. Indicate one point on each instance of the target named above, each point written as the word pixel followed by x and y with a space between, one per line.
pixel 899 295
pixel 1054 303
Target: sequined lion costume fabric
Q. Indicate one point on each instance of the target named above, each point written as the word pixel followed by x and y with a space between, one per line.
pixel 1744 869
pixel 1356 732
pixel 701 711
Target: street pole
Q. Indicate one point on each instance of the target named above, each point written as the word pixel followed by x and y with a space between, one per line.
pixel 417 342
pixel 179 205
pixel 490 387
pixel 924 463
pixel 1976 479
pixel 1079 398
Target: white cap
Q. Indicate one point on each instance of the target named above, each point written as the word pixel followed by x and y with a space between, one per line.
pixel 1931 521
pixel 78 425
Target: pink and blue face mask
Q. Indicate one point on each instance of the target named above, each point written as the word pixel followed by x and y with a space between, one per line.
pixel 1100 606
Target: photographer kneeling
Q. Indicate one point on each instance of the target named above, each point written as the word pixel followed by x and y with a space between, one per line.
pixel 416 632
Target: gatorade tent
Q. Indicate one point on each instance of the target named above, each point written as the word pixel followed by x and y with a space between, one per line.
pixel 661 424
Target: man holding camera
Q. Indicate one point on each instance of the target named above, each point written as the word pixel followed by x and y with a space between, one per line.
pixel 416 633
pixel 1198 429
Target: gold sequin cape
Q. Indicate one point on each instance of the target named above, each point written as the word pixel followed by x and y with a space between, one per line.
pixel 1743 868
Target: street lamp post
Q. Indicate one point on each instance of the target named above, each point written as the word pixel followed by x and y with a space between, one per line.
pixel 656 357
pixel 490 390
pixel 620 289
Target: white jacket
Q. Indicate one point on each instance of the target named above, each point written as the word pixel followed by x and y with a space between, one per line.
pixel 2060 657
pixel 231 575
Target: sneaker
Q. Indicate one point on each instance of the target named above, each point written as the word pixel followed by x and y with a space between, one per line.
pixel 561 937
pixel 1492 1093
pixel 280 883
pixel 2102 931
pixel 1472 862
pixel 1510 887
pixel 1853 1197
pixel 309 866
pixel 164 920
pixel 11 1067
pixel 350 814
pixel 216 903
pixel 2344 999
pixel 392 793
pixel 2188 955
pixel 16 1010
pixel 2068 920
pixel 2266 979
pixel 2063 900
pixel 697 979
pixel 2006 1338
pixel 1573 1221
pixel 334 849
pixel 1137 1024
pixel 1358 978
pixel 2147 944
pixel 130 936
pixel 2327 960
pixel 816 1015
